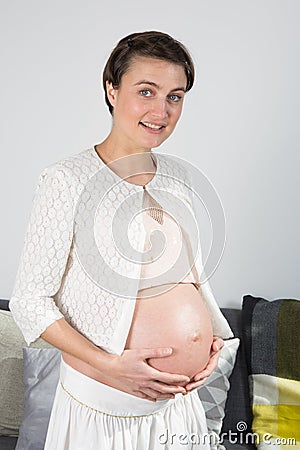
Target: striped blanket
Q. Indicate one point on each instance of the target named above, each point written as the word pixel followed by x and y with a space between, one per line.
pixel 272 344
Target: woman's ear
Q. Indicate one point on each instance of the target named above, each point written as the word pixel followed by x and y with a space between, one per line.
pixel 111 93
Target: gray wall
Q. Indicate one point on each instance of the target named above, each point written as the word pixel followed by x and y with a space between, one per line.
pixel 240 124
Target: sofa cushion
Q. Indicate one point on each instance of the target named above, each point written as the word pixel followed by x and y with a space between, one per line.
pixel 41 375
pixel 213 393
pixel 11 374
pixel 8 442
pixel 238 413
pixel 272 342
pixel 4 305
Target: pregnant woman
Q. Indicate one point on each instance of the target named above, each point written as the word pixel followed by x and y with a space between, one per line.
pixel 132 357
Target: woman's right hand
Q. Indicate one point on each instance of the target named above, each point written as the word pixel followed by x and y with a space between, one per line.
pixel 131 373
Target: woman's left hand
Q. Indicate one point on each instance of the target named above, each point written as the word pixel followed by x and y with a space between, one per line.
pixel 212 364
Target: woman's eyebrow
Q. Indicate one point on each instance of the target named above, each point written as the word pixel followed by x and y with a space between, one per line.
pixel 151 83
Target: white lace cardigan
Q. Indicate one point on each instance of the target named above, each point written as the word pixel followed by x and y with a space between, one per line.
pixel 64 270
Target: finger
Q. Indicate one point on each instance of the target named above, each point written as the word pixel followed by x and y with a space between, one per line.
pixel 159 395
pixel 165 396
pixel 211 366
pixel 213 361
pixel 143 396
pixel 169 378
pixel 161 352
pixel 217 344
pixel 165 388
pixel 205 373
pixel 191 386
pixel 152 393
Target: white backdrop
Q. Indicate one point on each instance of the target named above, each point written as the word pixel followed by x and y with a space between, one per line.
pixel 240 124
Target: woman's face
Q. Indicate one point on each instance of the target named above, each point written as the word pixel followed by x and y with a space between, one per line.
pixel 148 103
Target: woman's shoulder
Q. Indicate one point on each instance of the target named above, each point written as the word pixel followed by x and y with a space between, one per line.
pixel 68 177
pixel 78 167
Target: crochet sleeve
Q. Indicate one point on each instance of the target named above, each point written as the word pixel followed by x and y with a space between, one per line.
pixel 45 252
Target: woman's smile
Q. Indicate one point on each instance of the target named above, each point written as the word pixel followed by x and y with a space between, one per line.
pixel 152 127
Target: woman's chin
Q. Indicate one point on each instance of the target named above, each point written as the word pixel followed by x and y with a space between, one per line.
pixel 154 140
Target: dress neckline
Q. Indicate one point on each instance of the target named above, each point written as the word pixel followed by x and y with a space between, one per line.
pixel 154 157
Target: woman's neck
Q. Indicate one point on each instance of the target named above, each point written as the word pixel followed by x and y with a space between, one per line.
pixel 134 165
pixel 113 147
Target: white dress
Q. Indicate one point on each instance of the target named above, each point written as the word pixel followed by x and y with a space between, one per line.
pixel 90 415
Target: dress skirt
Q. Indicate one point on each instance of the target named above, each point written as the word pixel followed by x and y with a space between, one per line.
pixel 87 414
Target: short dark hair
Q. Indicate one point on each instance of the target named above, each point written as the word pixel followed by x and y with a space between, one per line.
pixel 151 44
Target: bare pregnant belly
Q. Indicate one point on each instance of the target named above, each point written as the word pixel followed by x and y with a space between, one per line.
pixel 179 319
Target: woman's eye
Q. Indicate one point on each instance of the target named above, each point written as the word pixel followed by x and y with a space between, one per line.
pixel 174 98
pixel 145 92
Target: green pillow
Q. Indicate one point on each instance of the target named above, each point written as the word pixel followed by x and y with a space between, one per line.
pixel 12 374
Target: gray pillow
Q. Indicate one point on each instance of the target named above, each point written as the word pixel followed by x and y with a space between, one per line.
pixel 213 393
pixel 41 375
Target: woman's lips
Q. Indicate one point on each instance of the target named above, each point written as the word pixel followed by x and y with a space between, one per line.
pixel 152 128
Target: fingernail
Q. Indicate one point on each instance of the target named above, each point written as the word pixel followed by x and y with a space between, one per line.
pixel 166 351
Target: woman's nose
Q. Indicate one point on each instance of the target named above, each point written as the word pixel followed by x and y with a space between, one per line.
pixel 159 108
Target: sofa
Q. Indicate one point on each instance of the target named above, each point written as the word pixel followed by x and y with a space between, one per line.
pixel 236 409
